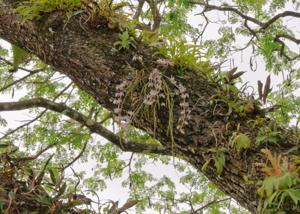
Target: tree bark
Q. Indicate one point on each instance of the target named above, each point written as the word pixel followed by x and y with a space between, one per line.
pixel 84 54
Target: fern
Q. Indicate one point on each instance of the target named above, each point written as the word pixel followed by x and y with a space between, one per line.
pixel 184 55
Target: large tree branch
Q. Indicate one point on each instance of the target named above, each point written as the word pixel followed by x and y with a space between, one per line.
pixel 90 124
pixel 87 57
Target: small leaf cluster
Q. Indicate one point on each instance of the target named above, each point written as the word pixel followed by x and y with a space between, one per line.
pixel 240 141
pixel 125 41
pixel 184 55
pixel 33 9
pixel 218 156
pixel 268 134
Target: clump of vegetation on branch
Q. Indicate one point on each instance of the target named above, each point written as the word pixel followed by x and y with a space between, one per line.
pixel 281 186
pixel 34 9
pixel 24 188
pixel 186 56
pixel 150 95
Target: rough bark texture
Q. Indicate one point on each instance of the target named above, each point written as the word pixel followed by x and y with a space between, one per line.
pixel 86 56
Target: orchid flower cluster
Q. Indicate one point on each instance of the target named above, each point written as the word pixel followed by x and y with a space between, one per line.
pixel 118 101
pixel 155 85
pixel 155 92
pixel 185 111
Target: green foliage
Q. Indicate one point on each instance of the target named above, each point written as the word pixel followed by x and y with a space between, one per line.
pixel 218 156
pixel 230 99
pixel 185 55
pixel 19 56
pixel 175 21
pixel 220 48
pixel 219 162
pixel 113 166
pixel 280 184
pixel 279 190
pixel 256 5
pixel 268 47
pixel 125 41
pixel 56 193
pixel 286 97
pixel 268 134
pixel 33 9
pixel 240 141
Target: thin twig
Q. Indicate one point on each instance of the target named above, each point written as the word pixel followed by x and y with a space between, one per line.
pixel 76 158
pixel 209 204
pixel 19 80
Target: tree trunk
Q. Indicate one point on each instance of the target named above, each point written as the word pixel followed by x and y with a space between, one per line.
pixel 85 54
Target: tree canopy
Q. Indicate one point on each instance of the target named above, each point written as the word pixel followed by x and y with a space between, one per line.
pixel 124 90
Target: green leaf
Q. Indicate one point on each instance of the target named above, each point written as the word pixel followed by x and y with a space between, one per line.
pixel 205 165
pixel 282 199
pixel 52 176
pixel 1 205
pixel 3 145
pixel 241 141
pixel 3 122
pixel 219 162
pixel 270 199
pixel 125 41
pixel 11 195
pixel 285 181
pixel 294 194
pixel 267 186
pixel 261 191
pixel 43 199
pixel 61 191
pixel 19 56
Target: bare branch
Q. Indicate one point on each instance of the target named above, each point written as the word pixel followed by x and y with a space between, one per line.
pixel 297 41
pixel 19 80
pixel 139 10
pixel 76 158
pixel 30 158
pixel 21 68
pixel 280 15
pixel 209 204
pixel 209 7
pixel 23 125
pixel 90 124
pixel 155 14
pixel 126 206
